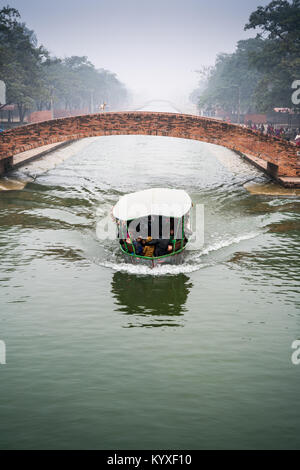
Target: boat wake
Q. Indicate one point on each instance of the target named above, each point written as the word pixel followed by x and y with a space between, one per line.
pixel 229 242
pixel 162 270
pixel 193 261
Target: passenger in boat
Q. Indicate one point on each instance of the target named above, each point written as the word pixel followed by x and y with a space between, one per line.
pixel 138 246
pixel 162 247
pixel 148 249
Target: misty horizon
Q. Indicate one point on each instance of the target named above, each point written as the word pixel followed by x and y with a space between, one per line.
pixel 154 49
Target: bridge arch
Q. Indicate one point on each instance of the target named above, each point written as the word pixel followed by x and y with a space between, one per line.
pixel 280 156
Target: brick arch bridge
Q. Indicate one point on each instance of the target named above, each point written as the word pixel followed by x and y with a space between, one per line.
pixel 279 157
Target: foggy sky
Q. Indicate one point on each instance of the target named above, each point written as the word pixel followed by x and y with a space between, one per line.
pixel 153 46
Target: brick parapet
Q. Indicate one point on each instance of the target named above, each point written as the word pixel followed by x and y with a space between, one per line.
pixel 271 149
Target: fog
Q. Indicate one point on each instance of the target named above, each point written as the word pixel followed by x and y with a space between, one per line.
pixel 153 47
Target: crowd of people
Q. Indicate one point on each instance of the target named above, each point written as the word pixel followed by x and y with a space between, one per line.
pixel 152 247
pixel 153 236
pixel 287 133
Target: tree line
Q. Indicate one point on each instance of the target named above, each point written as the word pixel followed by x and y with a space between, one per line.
pixel 36 81
pixel 259 75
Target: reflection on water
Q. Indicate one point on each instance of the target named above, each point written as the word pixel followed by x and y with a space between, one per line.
pixel 271 189
pixel 79 321
pixel 152 301
pixel 10 184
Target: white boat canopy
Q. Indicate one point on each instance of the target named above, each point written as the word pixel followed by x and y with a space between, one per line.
pixel 157 201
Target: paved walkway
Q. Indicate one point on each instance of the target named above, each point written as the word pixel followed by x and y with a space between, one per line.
pixel 286 181
pixel 19 158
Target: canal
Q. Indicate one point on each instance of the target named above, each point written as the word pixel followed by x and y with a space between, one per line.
pixel 103 354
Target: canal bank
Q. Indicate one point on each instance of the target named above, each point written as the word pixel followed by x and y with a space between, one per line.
pixel 23 158
pixel 271 171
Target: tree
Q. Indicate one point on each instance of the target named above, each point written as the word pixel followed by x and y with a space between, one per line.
pixel 204 74
pixel 230 84
pixel 20 60
pixel 262 69
pixel 35 80
pixel 279 58
pixel 75 83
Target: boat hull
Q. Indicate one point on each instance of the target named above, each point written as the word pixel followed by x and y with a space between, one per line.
pixel 175 259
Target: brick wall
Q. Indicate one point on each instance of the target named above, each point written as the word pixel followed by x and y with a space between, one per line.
pixel 256 118
pixel 271 149
pixel 62 113
pixel 39 116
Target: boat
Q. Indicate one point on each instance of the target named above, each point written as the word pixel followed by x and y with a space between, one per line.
pixel 157 217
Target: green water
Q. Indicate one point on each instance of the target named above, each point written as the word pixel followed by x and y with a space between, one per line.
pixel 103 354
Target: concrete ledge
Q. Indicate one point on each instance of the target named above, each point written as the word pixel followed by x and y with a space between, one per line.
pixel 289 181
pixel 285 181
pixel 30 155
